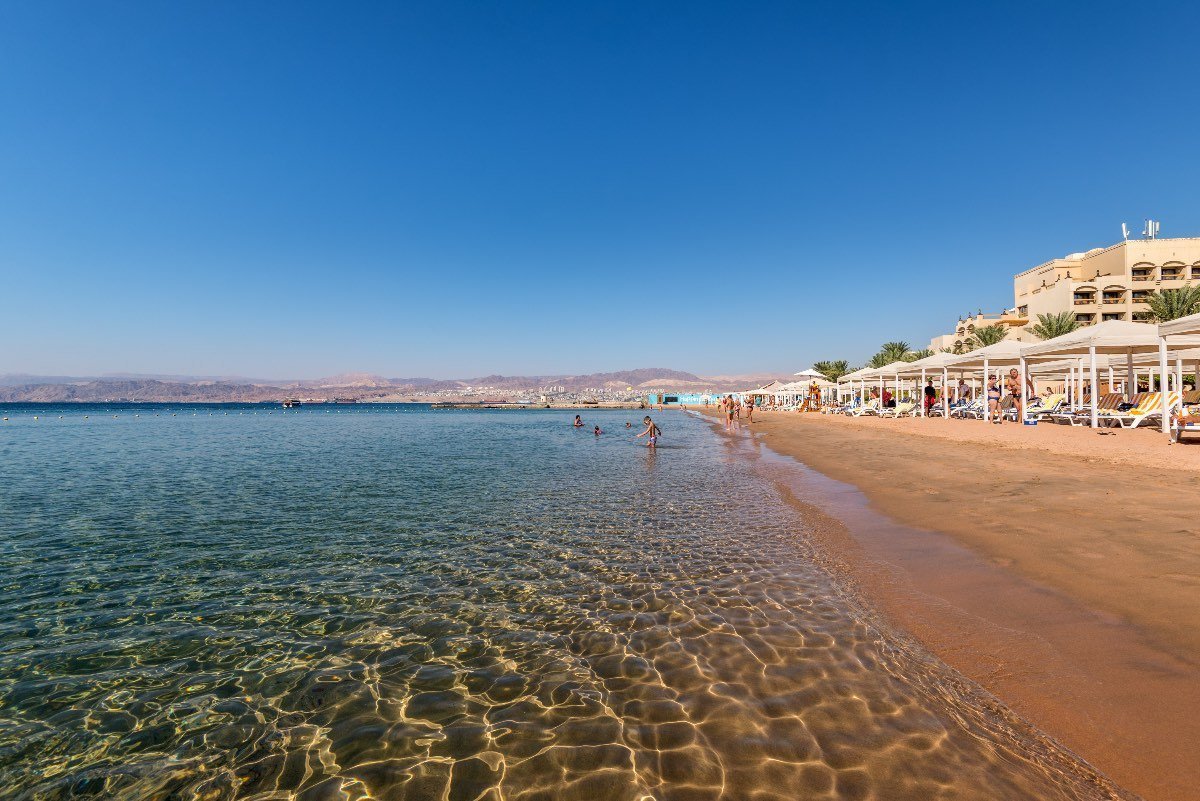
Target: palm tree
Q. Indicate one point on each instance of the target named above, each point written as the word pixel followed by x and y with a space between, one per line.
pixel 889 352
pixel 987 335
pixel 1171 304
pixel 1050 326
pixel 895 351
pixel 913 355
pixel 833 370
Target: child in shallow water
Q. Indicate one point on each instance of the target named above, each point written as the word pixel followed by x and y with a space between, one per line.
pixel 597 431
pixel 652 431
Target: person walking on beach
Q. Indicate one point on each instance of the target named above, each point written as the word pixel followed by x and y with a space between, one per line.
pixel 728 403
pixel 750 410
pixel 651 431
pixel 964 391
pixel 930 397
pixel 1013 385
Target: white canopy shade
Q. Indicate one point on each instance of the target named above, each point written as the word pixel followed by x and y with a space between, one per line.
pixel 930 363
pixel 1184 325
pixel 857 375
pixel 1006 351
pixel 1110 336
pixel 769 389
pixel 887 371
pixel 810 374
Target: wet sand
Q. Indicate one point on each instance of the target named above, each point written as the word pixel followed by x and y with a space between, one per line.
pixel 1058 568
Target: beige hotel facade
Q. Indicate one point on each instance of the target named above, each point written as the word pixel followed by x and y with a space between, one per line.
pixel 1109 283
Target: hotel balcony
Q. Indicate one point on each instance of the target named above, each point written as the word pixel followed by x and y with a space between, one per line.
pixel 1085 298
pixel 1142 317
pixel 1085 319
pixel 1172 273
pixel 1107 317
pixel 1143 275
pixel 1196 273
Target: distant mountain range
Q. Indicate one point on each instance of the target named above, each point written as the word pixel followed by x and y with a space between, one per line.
pixel 359 386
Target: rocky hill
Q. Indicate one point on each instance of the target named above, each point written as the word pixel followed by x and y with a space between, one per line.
pixel 359 386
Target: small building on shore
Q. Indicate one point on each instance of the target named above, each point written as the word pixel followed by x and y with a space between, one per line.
pixel 682 398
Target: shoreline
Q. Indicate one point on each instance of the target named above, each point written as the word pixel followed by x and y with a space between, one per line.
pixel 1022 576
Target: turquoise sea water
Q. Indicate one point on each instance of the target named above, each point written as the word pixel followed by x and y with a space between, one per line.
pixel 394 602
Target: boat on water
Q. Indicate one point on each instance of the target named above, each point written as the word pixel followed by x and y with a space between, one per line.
pixel 290 403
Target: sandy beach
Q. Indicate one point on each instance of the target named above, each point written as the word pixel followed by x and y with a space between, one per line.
pixel 1058 568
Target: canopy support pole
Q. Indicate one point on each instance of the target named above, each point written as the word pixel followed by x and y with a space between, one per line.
pixel 987 401
pixel 1095 379
pixel 1162 366
pixel 945 393
pixel 1023 404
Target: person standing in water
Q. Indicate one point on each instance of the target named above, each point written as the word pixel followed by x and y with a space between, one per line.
pixel 578 421
pixel 651 431
pixel 729 412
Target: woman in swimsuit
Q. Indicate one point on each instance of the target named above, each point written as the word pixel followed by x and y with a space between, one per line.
pixel 729 412
pixel 993 400
pixel 651 430
pixel 578 421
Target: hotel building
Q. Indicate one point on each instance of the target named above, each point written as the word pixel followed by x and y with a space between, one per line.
pixel 1110 283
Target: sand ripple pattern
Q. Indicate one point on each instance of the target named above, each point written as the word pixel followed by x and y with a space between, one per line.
pixel 458 606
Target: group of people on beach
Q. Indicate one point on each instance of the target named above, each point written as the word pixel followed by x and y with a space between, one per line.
pixel 732 408
pixel 1000 393
pixel 652 430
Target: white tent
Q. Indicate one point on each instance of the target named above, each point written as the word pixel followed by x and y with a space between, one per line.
pixel 1005 353
pixel 931 365
pixel 810 374
pixel 1113 338
pixel 879 375
pixel 1182 326
pixel 858 376
pixel 766 389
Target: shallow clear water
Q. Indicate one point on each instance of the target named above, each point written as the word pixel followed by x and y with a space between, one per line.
pixel 400 603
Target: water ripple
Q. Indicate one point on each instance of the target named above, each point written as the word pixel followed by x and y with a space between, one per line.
pixel 450 606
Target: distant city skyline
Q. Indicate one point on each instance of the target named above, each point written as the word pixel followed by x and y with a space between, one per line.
pixel 450 189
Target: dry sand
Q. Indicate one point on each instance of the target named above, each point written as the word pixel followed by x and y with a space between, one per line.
pixel 1057 567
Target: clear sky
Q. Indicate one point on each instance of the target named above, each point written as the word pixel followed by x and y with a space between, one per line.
pixel 452 189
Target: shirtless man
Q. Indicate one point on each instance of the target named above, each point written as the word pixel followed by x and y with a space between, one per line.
pixel 1012 385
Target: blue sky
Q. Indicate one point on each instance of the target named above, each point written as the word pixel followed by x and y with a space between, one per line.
pixel 453 189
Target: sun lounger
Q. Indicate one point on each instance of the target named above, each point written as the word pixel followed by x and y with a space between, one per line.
pixel 1083 415
pixel 1049 405
pixel 1147 407
pixel 901 409
pixel 971 409
pixel 1188 421
pixel 870 407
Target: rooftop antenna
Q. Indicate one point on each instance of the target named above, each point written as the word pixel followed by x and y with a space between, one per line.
pixel 1125 232
pixel 1151 229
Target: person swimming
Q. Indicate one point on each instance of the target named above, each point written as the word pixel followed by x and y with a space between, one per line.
pixel 578 421
pixel 653 431
pixel 628 424
pixel 597 431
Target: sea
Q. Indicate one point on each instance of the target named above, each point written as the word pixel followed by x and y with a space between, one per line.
pixel 235 601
